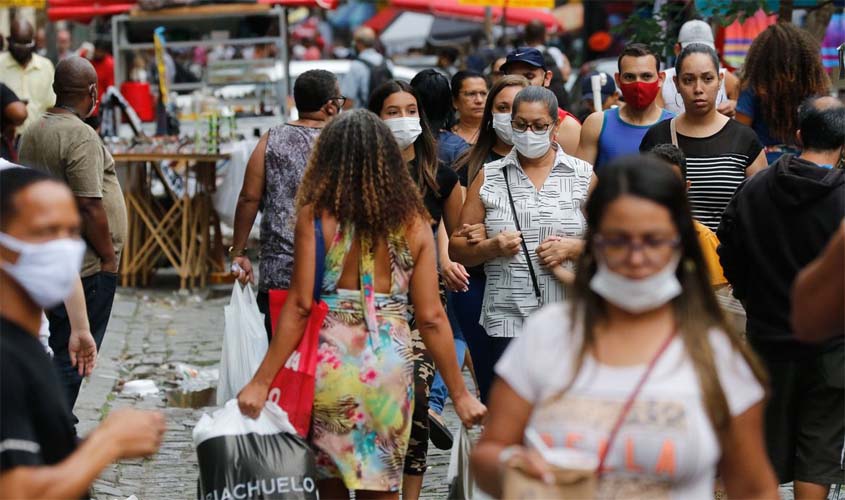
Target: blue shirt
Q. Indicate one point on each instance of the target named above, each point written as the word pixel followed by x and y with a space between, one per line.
pixel 449 147
pixel 618 138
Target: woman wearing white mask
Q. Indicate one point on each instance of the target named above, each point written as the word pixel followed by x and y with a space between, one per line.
pixel 398 104
pixel 638 372
pixel 522 219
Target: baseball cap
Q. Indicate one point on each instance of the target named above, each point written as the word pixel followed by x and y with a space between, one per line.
pixel 607 89
pixel 527 55
pixel 696 31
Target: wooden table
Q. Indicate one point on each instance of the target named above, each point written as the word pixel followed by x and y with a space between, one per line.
pixel 176 227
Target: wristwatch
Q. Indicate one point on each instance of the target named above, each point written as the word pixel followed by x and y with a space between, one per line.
pixel 233 252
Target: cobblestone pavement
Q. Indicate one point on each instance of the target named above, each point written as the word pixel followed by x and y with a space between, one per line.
pixel 149 333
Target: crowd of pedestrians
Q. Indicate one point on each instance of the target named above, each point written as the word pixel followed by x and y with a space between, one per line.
pixel 577 269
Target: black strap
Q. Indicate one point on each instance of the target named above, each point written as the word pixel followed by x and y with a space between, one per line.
pixel 524 246
pixel 320 252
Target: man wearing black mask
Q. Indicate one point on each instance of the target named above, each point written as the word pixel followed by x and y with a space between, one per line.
pixel 29 75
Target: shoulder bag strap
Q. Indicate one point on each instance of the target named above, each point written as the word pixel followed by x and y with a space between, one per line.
pixel 673 131
pixel 626 408
pixel 321 258
pixel 524 246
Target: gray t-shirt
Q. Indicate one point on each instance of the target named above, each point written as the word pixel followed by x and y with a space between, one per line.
pixel 66 147
pixel 285 159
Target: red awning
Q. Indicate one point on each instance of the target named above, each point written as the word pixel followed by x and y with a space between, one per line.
pixel 84 10
pixel 514 16
pixel 382 19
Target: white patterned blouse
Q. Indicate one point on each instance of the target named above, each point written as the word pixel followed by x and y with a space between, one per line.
pixel 554 210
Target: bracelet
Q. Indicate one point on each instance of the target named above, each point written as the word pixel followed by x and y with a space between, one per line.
pixel 236 253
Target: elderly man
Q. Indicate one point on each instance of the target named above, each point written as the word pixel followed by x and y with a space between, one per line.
pixel 62 144
pixel 29 75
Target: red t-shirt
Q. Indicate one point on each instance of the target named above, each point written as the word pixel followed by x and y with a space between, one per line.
pixel 105 75
pixel 562 114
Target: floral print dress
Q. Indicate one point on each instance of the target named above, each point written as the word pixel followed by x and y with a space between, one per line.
pixel 364 393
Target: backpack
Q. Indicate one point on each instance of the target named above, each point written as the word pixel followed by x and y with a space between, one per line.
pixel 378 75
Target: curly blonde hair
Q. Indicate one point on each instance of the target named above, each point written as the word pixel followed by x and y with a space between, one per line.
pixel 356 173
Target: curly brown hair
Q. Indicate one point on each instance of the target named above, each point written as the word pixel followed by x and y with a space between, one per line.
pixel 784 67
pixel 356 173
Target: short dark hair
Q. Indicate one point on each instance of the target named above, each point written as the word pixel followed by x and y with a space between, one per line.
pixel 673 155
pixel 637 50
pixel 535 31
pixel 435 99
pixel 450 53
pixel 460 77
pixel 821 129
pixel 314 88
pixel 13 181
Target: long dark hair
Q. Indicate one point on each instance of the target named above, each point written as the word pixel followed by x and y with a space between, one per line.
pixel 435 99
pixel 475 157
pixel 696 309
pixel 356 173
pixel 425 149
pixel 783 67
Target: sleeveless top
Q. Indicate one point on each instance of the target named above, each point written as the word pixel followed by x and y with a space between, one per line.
pixel 672 99
pixel 618 137
pixel 554 210
pixel 285 159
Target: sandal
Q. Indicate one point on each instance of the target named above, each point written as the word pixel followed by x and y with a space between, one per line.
pixel 438 432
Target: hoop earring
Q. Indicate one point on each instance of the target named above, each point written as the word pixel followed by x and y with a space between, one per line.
pixel 679 104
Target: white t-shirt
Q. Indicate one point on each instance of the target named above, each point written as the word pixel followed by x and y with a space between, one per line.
pixel 667 447
pixel 672 100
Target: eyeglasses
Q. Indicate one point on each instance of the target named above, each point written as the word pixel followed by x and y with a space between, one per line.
pixel 339 101
pixel 618 249
pixel 481 94
pixel 539 129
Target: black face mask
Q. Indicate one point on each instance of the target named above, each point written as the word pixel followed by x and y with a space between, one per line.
pixel 22 53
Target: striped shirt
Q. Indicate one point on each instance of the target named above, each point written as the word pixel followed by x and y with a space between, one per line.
pixel 715 165
pixel 554 210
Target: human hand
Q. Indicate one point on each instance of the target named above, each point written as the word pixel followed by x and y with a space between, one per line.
pixel 252 398
pixel 135 433
pixel 554 250
pixel 242 269
pixel 469 409
pixel 727 108
pixel 474 233
pixel 455 276
pixel 83 351
pixel 507 243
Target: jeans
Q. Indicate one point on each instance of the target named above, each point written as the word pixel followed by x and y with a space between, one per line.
pixel 485 350
pixel 439 392
pixel 99 297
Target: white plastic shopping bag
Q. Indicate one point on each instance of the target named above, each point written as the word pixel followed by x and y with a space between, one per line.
pixel 459 475
pixel 244 458
pixel 244 343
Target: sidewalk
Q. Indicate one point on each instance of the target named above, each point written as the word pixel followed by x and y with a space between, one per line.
pixel 151 331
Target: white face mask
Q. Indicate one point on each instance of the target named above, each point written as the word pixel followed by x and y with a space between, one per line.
pixel 531 145
pixel 637 296
pixel 502 126
pixel 47 271
pixel 405 130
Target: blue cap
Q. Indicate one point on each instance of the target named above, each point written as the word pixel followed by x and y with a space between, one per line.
pixel 607 89
pixel 527 55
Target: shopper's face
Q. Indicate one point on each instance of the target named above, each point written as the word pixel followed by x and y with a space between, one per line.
pixel 643 224
pixel 535 114
pixel 698 83
pixel 399 105
pixel 21 46
pixel 503 103
pixel 534 75
pixel 496 70
pixel 45 211
pixel 637 69
pixel 471 98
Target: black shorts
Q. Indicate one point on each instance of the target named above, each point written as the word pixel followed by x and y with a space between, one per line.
pixel 805 428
